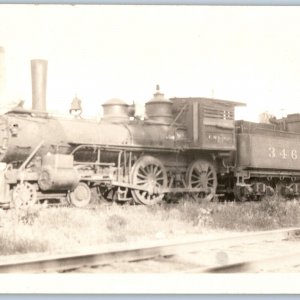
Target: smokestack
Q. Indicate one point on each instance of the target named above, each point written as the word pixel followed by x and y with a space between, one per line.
pixel 2 73
pixel 39 83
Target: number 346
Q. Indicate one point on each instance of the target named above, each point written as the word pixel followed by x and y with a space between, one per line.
pixel 282 153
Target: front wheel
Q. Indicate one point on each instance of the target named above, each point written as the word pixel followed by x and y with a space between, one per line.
pixel 24 195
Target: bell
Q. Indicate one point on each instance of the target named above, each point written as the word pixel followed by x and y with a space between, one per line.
pixel 131 109
pixel 76 108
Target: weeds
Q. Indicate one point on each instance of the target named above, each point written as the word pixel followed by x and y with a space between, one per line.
pixel 27 215
pixel 62 229
pixel 267 214
pixel 20 244
pixel 115 222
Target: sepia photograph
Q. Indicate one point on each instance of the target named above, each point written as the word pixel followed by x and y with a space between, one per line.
pixel 149 148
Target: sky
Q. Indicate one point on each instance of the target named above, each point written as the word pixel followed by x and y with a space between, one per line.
pixel 99 52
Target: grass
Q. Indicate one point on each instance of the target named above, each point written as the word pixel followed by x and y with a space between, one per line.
pixel 265 215
pixel 66 229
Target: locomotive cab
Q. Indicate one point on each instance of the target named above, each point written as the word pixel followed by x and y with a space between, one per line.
pixel 209 122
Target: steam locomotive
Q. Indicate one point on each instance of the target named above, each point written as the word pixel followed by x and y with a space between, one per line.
pixel 184 146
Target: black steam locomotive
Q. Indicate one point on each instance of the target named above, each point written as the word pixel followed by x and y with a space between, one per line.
pixel 183 146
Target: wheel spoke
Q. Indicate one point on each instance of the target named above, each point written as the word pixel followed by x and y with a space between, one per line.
pixel 155 170
pixel 197 185
pixel 196 181
pixel 141 175
pixel 152 169
pixel 148 169
pixel 141 182
pixel 143 170
pixel 196 176
pixel 159 172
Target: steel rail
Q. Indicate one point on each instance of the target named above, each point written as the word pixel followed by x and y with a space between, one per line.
pixel 136 252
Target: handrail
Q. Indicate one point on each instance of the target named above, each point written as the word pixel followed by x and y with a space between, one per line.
pixel 29 158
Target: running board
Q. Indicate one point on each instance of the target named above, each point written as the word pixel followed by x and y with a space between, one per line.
pixel 161 191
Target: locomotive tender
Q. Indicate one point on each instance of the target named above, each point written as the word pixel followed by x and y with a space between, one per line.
pixel 183 146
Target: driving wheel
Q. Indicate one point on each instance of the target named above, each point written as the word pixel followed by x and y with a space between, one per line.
pixel 202 174
pixel 150 174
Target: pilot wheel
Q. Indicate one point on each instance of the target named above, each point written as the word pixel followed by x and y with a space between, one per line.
pixel 24 195
pixel 81 196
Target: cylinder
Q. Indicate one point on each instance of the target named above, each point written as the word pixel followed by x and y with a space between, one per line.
pixel 52 179
pixel 57 173
pixel 39 83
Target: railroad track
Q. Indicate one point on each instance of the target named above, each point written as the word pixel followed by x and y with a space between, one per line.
pixel 169 252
